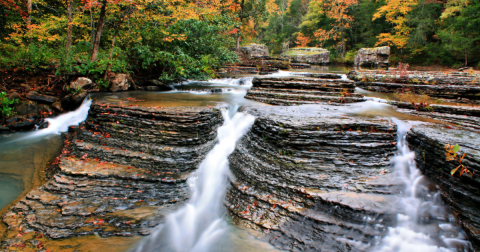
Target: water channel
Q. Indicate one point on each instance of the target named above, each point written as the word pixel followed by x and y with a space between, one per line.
pixel 201 224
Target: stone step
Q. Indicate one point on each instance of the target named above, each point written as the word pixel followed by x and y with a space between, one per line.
pixel 135 158
pixel 305 91
pixel 447 91
pixel 285 98
pixel 101 169
pixel 163 151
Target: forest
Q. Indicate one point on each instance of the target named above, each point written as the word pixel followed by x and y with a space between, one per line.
pixel 191 39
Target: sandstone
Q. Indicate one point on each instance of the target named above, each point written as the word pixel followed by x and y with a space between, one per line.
pixel 310 55
pixel 80 83
pixel 377 56
pixel 303 90
pixel 459 192
pixel 119 82
pixel 253 51
pixel 32 95
pixel 310 175
pixel 124 169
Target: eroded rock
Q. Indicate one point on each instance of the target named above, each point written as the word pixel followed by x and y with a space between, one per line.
pixel 377 56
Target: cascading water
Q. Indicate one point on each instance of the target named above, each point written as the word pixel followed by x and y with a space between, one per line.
pixel 425 225
pixel 200 223
pixel 62 122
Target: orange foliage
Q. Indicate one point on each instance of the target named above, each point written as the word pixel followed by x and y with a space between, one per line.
pixel 302 40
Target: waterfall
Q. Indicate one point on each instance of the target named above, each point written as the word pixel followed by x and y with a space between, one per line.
pixel 424 210
pixel 200 223
pixel 62 122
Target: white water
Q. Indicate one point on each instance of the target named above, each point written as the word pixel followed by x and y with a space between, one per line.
pixel 424 214
pixel 244 81
pixel 62 122
pixel 200 223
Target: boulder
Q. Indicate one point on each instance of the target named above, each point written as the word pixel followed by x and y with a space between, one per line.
pixel 73 101
pixel 57 105
pixel 32 95
pixel 81 83
pixel 253 51
pixel 309 55
pixel 119 82
pixel 377 56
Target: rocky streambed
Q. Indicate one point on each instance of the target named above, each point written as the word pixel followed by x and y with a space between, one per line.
pixel 315 173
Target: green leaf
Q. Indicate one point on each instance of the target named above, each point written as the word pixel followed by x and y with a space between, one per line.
pixel 456 148
pixel 454 170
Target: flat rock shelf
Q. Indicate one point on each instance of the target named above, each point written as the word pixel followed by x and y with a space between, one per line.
pixel 124 170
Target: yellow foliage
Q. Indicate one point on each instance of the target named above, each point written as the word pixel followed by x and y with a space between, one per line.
pixel 395 12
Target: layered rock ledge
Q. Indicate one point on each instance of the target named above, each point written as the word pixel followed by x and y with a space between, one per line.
pixel 310 55
pixel 303 90
pixel 459 192
pixel 126 167
pixel 464 91
pixel 312 177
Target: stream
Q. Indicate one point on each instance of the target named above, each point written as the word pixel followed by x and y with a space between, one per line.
pixel 202 224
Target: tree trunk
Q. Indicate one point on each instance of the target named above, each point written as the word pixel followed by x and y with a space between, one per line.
pixel 466 56
pixel 113 43
pixel 101 22
pixel 237 47
pixel 29 10
pixel 69 26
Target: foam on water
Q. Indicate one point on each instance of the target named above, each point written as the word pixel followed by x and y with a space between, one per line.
pixel 199 225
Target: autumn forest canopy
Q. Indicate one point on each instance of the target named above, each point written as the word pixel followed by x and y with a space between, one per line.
pixel 191 39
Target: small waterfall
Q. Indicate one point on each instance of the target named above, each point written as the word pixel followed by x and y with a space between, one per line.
pixel 62 122
pixel 200 223
pixel 425 225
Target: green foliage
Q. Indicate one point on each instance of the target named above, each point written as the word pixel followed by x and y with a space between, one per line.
pixel 6 104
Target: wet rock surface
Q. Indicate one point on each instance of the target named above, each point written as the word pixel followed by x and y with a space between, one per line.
pixel 471 92
pixel 459 192
pixel 393 75
pixel 312 177
pixel 124 170
pixel 303 90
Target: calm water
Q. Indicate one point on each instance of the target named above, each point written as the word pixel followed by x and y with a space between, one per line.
pixel 22 162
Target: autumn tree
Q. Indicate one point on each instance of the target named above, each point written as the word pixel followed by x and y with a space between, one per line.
pixel 395 12
pixel 341 20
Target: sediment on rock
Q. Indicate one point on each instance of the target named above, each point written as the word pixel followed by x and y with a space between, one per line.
pixel 303 90
pixel 312 177
pixel 460 192
pixel 126 168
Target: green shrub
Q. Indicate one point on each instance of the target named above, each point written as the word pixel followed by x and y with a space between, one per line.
pixel 6 104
